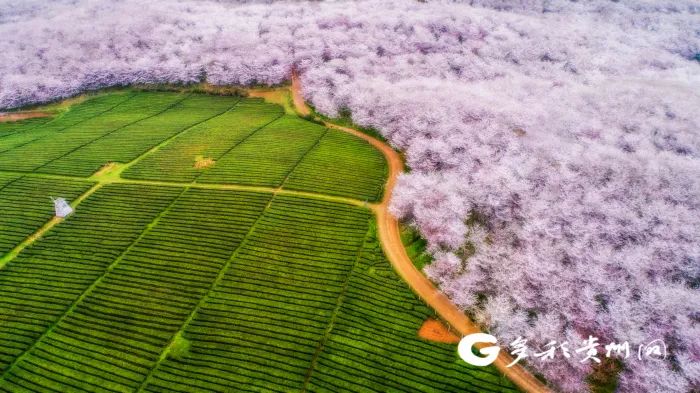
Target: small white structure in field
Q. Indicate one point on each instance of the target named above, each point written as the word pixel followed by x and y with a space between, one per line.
pixel 61 207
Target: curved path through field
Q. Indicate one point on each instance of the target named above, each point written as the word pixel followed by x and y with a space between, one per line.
pixel 387 228
pixel 390 237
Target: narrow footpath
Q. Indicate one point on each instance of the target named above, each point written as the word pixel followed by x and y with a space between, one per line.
pixel 390 238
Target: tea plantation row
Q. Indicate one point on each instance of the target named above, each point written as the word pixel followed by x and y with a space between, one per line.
pixel 166 280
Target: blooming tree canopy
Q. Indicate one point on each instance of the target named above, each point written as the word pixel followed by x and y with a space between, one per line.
pixel 554 145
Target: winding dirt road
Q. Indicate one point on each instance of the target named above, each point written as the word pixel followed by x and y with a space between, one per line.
pixel 390 237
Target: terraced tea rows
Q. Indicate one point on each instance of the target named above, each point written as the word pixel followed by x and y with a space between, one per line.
pixel 176 161
pixel 95 118
pixel 373 344
pixel 169 281
pixel 172 115
pixel 268 156
pixel 41 283
pixel 325 169
pixel 26 132
pixel 265 319
pixel 11 127
pixel 25 205
pixel 126 319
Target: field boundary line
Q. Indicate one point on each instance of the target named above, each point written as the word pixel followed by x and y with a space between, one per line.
pixel 19 176
pixel 338 304
pixel 306 153
pixel 92 286
pixel 52 222
pixel 222 272
pixel 169 107
pixel 241 187
pixel 208 186
pixel 130 96
pixel 44 175
pixel 395 252
pixel 172 137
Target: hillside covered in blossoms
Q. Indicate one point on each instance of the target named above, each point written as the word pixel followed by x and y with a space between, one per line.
pixel 554 146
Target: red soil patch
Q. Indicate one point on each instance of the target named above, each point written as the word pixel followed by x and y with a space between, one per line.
pixel 7 117
pixel 435 330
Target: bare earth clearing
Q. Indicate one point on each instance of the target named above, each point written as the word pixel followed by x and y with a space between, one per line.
pixel 435 330
pixel 7 117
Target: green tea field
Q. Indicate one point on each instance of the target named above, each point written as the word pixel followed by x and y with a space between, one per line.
pixel 218 244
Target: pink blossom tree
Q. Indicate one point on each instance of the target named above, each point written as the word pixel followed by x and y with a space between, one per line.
pixel 570 128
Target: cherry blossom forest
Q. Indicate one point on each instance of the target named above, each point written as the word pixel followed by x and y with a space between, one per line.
pixel 553 146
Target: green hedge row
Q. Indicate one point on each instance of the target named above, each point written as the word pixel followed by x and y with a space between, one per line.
pixel 342 165
pixel 266 157
pixel 173 114
pixel 26 205
pixel 40 284
pixel 374 345
pixel 131 315
pixel 262 325
pixel 212 139
pixel 27 132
